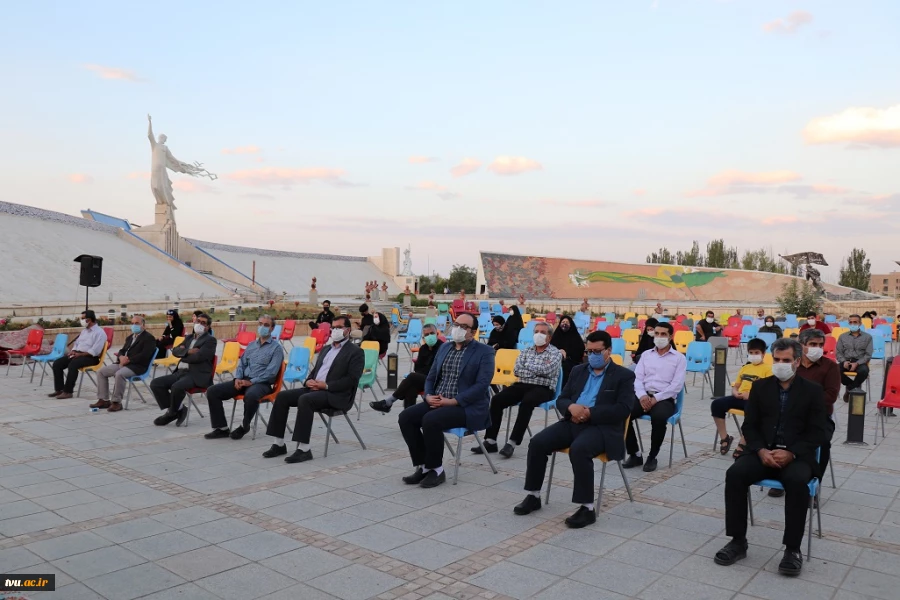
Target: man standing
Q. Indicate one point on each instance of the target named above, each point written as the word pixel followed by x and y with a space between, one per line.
pixel 87 351
pixel 659 378
pixel 332 384
pixel 595 403
pixel 410 388
pixel 812 322
pixel 197 351
pixel 854 351
pixel 708 327
pixel 133 360
pixel 784 423
pixel 256 372
pixel 326 316
pixel 456 395
pixel 537 369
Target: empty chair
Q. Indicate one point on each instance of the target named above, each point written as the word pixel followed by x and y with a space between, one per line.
pixel 287 332
pixel 681 339
pixel 768 338
pixel 632 338
pixel 298 365
pixel 748 332
pixel 58 351
pixel 230 355
pixel 614 331
pixel 618 347
pixel 699 360
pixel 32 347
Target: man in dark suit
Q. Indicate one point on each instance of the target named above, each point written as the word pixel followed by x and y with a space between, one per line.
pixel 785 422
pixel 332 384
pixel 197 351
pixel 456 395
pixel 596 401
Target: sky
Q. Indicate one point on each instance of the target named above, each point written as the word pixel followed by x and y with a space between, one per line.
pixel 596 129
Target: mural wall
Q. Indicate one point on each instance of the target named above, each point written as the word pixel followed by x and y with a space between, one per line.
pixel 508 275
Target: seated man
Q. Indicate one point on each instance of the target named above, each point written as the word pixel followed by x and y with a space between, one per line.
pixel 740 390
pixel 133 359
pixel 708 327
pixel 86 351
pixel 537 369
pixel 375 327
pixel 410 388
pixel 785 421
pixel 658 379
pixel 456 395
pixel 256 372
pixel 197 351
pixel 854 351
pixel 595 403
pixel 331 385
pixel 326 316
pixel 813 322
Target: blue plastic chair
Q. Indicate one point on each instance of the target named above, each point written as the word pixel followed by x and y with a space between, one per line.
pixel 529 327
pixel 889 319
pixel 484 324
pixel 813 486
pixel 610 317
pixel 484 306
pixel 623 325
pixel 790 322
pixel 830 319
pixel 276 332
pixel 526 339
pixel 132 382
pixel 672 421
pixel 618 347
pixel 602 325
pixel 412 336
pixel 497 309
pixel 844 324
pixel 748 332
pixel 886 331
pixel 699 360
pixel 297 368
pixel 747 318
pixel 547 406
pixel 441 323
pixel 58 351
pixel 663 319
pixel 768 338
pixel 460 433
pixel 878 347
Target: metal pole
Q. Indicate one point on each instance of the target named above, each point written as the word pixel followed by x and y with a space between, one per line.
pixel 86 290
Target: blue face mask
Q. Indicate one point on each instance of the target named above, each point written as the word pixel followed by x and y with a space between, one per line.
pixel 135 329
pixel 263 331
pixel 597 361
pixel 854 328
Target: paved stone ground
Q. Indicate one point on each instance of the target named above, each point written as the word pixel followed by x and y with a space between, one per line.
pixel 121 509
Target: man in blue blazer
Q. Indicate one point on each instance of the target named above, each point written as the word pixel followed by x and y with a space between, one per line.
pixel 456 395
pixel 596 401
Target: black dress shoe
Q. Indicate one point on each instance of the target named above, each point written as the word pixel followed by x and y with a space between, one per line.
pixel 776 493
pixel 275 450
pixel 381 406
pixel 299 456
pixel 54 394
pixel 239 432
pixel 732 552
pixel 489 446
pixel 165 418
pixel 650 465
pixel 530 504
pixel 632 462
pixel 507 451
pixel 416 478
pixel 791 563
pixel 216 434
pixel 432 479
pixel 582 518
pixel 182 415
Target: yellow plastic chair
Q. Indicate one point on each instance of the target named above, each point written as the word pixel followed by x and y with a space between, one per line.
pixel 616 358
pixel 682 339
pixel 767 359
pixel 791 331
pixel 370 345
pixel 629 315
pixel 632 339
pixel 88 370
pixel 838 331
pixel 526 317
pixel 168 361
pixel 230 356
pixel 504 367
pixel 867 322
pixel 723 317
pixel 642 317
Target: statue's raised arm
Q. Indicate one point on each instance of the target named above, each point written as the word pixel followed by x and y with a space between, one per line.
pixel 150 131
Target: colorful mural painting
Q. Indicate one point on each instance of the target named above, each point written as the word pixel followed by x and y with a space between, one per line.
pixel 508 275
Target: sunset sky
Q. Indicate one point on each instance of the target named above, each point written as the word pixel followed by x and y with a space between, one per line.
pixel 592 129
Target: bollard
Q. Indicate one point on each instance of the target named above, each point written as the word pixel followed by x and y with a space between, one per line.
pixel 856 418
pixel 392 365
pixel 720 362
pixel 124 313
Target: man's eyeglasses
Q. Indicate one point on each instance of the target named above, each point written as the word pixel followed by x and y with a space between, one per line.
pixel 596 351
pixel 462 326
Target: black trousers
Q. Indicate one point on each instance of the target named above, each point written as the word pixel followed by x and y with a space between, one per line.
pixel 423 429
pixel 747 470
pixel 528 396
pixel 170 390
pixel 72 364
pixel 584 442
pixel 226 391
pixel 410 388
pixel 308 402
pixel 862 373
pixel 660 412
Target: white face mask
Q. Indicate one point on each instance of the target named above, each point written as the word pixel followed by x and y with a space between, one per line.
pixel 709 319
pixel 661 342
pixel 376 320
pixel 783 371
pixel 199 329
pixel 811 322
pixel 769 324
pixel 540 339
pixel 337 335
pixel 814 353
pixel 755 359
pixel 458 335
pixel 84 323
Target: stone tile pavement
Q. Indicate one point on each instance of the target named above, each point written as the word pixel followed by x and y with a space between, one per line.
pixel 119 509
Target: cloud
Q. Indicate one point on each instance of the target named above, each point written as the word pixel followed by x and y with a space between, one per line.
pixel 513 165
pixel 448 195
pixel 789 24
pixel 857 125
pixel 577 203
pixel 256 196
pixel 194 187
pixel 639 192
pixel 113 73
pixel 733 181
pixel 139 175
pixel 80 178
pixel 426 186
pixel 287 177
pixel 421 160
pixel 466 167
pixel 242 150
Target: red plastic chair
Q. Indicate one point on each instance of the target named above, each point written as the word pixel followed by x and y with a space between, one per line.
pixel 287 331
pixel 326 327
pixel 641 324
pixel 31 348
pixel 245 338
pixel 735 320
pixel 550 317
pixel 680 318
pixel 676 327
pixel 197 390
pixel 321 337
pixel 830 348
pixel 733 333
pixel 614 331
pixel 242 327
pixel 891 397
pixel 110 332
pixel 279 381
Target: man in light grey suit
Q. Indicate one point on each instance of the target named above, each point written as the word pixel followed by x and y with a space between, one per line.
pixel 332 384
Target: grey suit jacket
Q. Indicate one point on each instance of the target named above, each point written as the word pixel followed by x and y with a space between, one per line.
pixel 200 363
pixel 344 374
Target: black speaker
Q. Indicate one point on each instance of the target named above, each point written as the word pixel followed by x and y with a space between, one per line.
pixel 91 270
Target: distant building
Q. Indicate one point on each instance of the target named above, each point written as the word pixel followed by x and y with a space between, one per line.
pixel 887 284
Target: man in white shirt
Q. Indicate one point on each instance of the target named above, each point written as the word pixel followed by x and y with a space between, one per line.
pixel 87 351
pixel 659 378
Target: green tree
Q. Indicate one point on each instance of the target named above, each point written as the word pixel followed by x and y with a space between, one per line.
pixel 663 257
pixel 462 278
pixel 856 270
pixel 798 298
pixel 721 257
pixel 693 258
pixel 433 282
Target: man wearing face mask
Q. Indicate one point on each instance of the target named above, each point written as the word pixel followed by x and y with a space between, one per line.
pixel 537 369
pixel 594 403
pixel 659 378
pixel 331 385
pixel 784 423
pixel 197 351
pixel 769 326
pixel 410 388
pixel 376 327
pixel 256 373
pixel 456 395
pixel 86 352
pixel 708 327
pixel 854 351
pixel 133 359
pixel 326 316
pixel 812 322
